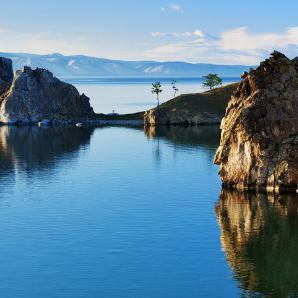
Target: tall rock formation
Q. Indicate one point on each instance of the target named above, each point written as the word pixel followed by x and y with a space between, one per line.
pixel 34 95
pixel 259 139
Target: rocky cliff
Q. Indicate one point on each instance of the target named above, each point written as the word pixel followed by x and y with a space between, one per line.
pixel 259 139
pixel 35 95
pixel 192 109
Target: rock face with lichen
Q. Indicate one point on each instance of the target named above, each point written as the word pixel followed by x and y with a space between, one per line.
pixel 259 139
pixel 35 95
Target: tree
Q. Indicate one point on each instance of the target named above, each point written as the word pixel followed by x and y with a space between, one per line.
pixel 212 80
pixel 174 87
pixel 156 89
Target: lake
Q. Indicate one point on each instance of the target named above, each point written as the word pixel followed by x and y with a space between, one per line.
pixel 123 212
pixel 129 95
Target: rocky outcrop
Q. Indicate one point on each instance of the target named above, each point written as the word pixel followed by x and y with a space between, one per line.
pixel 6 74
pixel 36 95
pixel 157 117
pixel 259 139
pixel 192 109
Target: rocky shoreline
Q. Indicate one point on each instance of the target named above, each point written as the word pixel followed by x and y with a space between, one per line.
pixel 91 122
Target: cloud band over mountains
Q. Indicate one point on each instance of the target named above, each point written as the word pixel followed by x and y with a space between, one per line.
pixel 237 45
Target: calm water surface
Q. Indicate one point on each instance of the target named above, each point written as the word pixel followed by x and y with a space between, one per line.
pixel 119 212
pixel 128 95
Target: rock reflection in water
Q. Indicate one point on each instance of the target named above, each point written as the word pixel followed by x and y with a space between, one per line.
pixel 34 148
pixel 193 136
pixel 259 234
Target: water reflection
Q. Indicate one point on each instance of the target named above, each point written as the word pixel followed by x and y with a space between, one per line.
pixel 259 234
pixel 194 136
pixel 35 148
pixel 204 138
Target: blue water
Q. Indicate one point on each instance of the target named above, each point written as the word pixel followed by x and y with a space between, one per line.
pixel 108 213
pixel 130 94
pixel 119 212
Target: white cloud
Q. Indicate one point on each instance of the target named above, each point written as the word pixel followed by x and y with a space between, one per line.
pixel 175 7
pixel 172 7
pixel 199 33
pixel 242 39
pixel 235 46
pixel 196 33
pixel 158 34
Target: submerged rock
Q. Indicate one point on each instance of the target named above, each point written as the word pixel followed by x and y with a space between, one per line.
pixel 6 74
pixel 259 139
pixel 35 95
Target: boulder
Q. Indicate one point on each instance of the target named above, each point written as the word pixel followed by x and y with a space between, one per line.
pixel 259 139
pixel 6 74
pixel 35 95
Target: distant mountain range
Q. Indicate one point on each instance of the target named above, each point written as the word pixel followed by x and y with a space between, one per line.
pixel 82 66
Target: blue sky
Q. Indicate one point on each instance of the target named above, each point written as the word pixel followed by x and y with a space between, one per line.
pixel 227 32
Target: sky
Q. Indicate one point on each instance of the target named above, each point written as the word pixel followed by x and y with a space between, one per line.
pixel 218 31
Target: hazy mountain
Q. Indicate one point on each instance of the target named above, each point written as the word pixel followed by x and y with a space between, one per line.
pixel 80 65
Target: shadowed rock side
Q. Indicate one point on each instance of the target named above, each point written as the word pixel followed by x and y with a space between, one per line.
pixel 192 109
pixel 6 74
pixel 36 95
pixel 259 139
pixel 260 240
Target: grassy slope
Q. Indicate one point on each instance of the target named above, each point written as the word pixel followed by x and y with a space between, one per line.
pixel 213 101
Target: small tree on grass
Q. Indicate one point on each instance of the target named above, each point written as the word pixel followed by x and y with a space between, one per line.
pixel 174 87
pixel 212 80
pixel 156 89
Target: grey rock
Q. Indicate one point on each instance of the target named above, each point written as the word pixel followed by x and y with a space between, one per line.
pixel 36 94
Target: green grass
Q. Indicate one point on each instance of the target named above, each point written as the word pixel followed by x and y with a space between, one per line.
pixel 212 101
